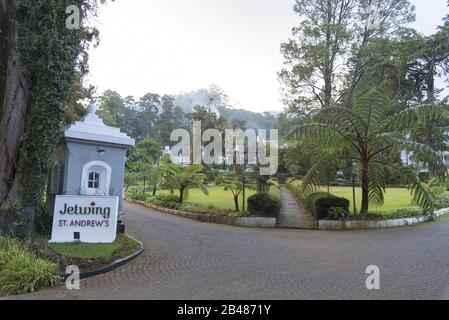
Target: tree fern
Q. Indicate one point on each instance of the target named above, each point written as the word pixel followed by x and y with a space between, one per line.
pixel 366 135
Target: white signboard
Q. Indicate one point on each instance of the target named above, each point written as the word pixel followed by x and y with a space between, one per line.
pixel 88 219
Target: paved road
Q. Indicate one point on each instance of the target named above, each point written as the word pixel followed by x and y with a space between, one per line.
pixel 293 214
pixel 190 260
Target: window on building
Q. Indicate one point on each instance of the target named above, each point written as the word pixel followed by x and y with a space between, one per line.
pixel 94 180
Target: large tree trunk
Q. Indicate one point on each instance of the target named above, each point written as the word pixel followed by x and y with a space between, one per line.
pixel 431 82
pixel 12 121
pixel 365 189
pixel 3 49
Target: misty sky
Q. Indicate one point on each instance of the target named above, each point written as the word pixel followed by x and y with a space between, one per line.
pixel 172 46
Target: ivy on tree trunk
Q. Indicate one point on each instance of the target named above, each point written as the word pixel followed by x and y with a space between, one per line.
pixel 43 58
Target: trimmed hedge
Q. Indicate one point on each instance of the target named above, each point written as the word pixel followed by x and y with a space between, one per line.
pixel 294 186
pixel 266 205
pixel 263 205
pixel 320 204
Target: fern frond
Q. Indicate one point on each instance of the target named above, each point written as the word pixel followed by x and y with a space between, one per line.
pixel 377 185
pixel 317 176
pixel 417 188
pixel 408 118
pixel 372 107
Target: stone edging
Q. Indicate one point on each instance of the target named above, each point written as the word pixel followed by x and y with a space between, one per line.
pixel 249 222
pixel 375 224
pixel 114 265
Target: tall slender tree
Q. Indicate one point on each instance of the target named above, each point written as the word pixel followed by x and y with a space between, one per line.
pixel 374 19
pixel 313 57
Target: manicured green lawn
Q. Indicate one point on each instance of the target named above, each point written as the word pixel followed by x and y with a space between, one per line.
pixel 217 197
pixel 124 246
pixel 394 198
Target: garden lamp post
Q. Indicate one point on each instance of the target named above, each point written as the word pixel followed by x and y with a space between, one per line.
pixel 353 178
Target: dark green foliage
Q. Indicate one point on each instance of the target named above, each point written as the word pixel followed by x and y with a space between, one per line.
pixel 53 53
pixel 136 194
pixel 21 271
pixel 266 204
pixel 321 203
pixel 367 135
pixel 263 205
pixel 166 201
pixel 442 201
pixel 337 213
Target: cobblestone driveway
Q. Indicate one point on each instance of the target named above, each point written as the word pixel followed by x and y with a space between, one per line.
pixel 190 260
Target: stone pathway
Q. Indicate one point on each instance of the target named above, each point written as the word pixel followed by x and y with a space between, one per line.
pixel 293 214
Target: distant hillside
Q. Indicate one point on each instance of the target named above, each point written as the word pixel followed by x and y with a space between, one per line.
pixel 217 100
pixel 253 120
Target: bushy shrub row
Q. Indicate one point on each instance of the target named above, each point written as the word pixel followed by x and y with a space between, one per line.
pixel 266 205
pixel 136 194
pixel 166 201
pixel 442 201
pixel 210 209
pixel 407 212
pixel 21 271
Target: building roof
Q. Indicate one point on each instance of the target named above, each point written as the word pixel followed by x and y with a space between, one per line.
pixel 92 128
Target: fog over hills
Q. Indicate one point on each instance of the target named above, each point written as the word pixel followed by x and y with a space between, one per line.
pixel 217 100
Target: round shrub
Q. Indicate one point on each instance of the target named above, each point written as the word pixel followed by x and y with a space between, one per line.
pixel 321 202
pixel 263 205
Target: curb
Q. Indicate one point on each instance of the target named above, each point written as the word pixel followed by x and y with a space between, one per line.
pixel 114 265
pixel 247 222
pixel 376 224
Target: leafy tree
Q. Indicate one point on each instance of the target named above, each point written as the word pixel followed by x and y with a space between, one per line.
pixel 142 159
pixel 167 119
pixel 234 183
pixel 154 178
pixel 149 114
pixel 262 182
pixel 312 58
pixel 374 20
pixel 208 118
pixel 111 109
pixel 131 116
pixel 365 135
pixel 183 178
pixel 446 19
pixel 333 31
